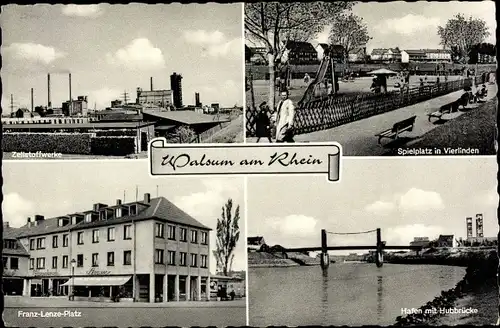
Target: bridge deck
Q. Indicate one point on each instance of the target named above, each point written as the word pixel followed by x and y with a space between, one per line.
pixel 338 248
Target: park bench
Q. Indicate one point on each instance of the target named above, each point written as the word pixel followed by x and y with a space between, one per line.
pixel 397 128
pixel 445 109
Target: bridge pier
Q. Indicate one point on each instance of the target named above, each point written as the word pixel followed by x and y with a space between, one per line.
pixel 379 253
pixel 325 259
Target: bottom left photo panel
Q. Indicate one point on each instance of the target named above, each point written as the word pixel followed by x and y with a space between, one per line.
pixel 102 243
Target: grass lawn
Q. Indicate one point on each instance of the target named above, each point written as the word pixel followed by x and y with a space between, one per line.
pixel 475 129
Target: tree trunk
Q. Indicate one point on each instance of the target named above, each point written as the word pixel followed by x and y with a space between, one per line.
pixel 272 81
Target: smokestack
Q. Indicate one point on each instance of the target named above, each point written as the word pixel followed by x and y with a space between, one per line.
pixel 32 100
pixel 49 104
pixel 151 82
pixel 70 99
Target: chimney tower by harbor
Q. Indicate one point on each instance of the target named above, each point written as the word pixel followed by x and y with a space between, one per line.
pixel 49 104
pixel 70 98
pixel 32 100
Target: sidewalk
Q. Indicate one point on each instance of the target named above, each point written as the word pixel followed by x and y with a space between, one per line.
pixel 63 302
pixel 358 138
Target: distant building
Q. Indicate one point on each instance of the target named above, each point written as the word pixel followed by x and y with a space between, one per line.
pixel 418 55
pixel 79 107
pixel 320 49
pixel 216 107
pixel 116 103
pixel 445 241
pixel 158 98
pixel 23 113
pixel 386 55
pixel 486 59
pixel 197 101
pixel 300 53
pixel 420 241
pixel 437 55
pixel 258 55
pixel 357 55
pixel 176 86
pixel 255 243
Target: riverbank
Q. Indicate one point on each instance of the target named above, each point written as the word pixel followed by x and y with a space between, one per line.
pixel 474 299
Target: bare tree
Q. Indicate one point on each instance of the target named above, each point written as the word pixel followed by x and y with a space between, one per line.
pixel 462 34
pixel 228 234
pixel 273 24
pixel 349 31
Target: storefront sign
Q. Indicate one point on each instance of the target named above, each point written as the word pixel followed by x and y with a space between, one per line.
pixel 45 273
pixel 94 272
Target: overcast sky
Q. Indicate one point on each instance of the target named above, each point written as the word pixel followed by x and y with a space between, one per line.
pixel 110 49
pixel 413 25
pixel 58 188
pixel 406 198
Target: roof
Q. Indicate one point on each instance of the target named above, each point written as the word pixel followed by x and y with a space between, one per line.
pixel 254 240
pixel 297 46
pixel 415 52
pixel 13 233
pixel 159 208
pixel 438 51
pixel 69 126
pixel 164 127
pixel 323 45
pixel 185 117
pixel 378 51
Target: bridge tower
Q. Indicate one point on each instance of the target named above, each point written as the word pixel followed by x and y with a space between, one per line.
pixel 325 259
pixel 380 246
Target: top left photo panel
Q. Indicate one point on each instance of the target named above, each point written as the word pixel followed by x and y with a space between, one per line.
pixel 101 81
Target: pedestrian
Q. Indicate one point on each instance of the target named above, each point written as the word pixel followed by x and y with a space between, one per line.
pixel 284 119
pixel 233 295
pixel 307 78
pixel 263 123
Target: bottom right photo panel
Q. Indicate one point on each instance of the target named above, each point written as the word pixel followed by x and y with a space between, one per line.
pixel 395 242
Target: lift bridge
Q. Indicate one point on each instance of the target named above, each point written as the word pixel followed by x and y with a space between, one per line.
pixel 380 246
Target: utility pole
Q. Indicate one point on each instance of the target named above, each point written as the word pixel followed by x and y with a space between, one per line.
pixel 125 97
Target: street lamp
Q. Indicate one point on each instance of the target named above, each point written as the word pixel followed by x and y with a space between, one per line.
pixel 73 264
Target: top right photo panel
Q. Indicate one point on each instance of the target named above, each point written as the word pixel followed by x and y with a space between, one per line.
pixel 380 78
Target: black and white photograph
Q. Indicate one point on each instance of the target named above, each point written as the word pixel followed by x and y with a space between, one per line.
pixel 100 81
pixel 386 248
pixel 93 245
pixel 381 78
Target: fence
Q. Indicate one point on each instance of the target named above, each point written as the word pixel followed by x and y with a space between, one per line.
pixel 333 111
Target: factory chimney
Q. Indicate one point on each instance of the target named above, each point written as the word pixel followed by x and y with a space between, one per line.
pixel 70 98
pixel 49 104
pixel 151 82
pixel 31 100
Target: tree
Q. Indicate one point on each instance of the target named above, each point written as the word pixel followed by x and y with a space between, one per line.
pixel 228 234
pixel 274 24
pixel 463 34
pixel 184 134
pixel 349 31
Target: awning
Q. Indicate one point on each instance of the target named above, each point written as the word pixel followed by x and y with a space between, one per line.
pixel 97 281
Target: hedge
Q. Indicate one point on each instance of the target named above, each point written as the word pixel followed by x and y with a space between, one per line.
pixel 113 146
pixel 116 133
pixel 65 143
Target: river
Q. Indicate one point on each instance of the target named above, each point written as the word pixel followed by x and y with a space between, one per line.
pixel 348 294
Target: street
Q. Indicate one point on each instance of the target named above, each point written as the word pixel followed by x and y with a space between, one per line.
pixel 59 312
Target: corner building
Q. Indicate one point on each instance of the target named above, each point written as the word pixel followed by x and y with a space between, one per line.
pixel 145 251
